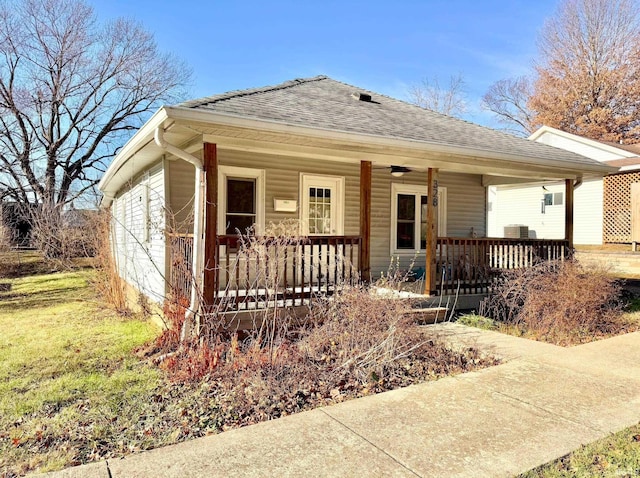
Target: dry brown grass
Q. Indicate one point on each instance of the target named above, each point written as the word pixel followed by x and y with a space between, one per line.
pixel 108 283
pixel 564 303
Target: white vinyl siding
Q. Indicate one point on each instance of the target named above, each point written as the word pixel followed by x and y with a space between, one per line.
pixel 139 232
pixel 587 212
pixel 522 205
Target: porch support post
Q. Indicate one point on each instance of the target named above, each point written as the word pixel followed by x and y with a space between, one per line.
pixel 209 286
pixel 568 212
pixel 364 259
pixel 432 232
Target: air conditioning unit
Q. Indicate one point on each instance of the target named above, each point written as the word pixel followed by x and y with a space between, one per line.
pixel 516 231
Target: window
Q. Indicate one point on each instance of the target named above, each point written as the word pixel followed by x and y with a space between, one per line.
pixel 241 199
pixel 409 217
pixel 553 199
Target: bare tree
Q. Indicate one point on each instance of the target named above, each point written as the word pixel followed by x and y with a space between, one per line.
pixel 587 77
pixel 449 100
pixel 71 91
pixel 508 100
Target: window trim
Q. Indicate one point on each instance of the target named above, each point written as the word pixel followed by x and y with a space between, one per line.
pixel 415 190
pixel 258 175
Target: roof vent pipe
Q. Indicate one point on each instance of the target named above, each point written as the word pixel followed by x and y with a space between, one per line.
pixel 198 230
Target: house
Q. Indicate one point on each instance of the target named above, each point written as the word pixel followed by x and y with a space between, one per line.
pixel 15 225
pixel 602 207
pixel 364 177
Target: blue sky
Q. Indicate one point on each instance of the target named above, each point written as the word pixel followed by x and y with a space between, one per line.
pixel 382 46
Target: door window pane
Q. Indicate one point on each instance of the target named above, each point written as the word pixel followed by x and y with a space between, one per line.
pixel 319 211
pixel 411 221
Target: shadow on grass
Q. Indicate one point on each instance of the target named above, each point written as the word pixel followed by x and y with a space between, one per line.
pixel 35 299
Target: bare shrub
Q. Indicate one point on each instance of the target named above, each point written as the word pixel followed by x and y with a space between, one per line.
pixel 560 302
pixel 64 236
pixel 107 282
pixel 362 332
pixel 352 343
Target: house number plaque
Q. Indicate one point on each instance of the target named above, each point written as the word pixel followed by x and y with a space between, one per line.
pixel 434 193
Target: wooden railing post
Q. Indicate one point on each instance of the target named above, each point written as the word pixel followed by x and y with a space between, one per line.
pixel 432 232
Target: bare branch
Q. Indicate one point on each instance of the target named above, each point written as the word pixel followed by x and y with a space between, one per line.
pixel 430 95
pixel 508 100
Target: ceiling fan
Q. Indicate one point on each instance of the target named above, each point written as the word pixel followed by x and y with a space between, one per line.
pixel 396 171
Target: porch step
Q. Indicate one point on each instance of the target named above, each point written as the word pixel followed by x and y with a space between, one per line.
pixel 428 315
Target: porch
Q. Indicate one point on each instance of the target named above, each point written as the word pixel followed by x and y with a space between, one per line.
pixel 256 273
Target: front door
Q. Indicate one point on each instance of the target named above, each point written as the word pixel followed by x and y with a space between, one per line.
pixel 322 214
pixel 322 205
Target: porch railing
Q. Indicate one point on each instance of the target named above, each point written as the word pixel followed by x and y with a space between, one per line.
pixel 180 270
pixel 255 271
pixel 250 275
pixel 469 265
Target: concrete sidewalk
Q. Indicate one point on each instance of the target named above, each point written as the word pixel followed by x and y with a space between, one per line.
pixel 542 403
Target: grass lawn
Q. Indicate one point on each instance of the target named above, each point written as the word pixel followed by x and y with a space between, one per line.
pixel 68 378
pixel 617 455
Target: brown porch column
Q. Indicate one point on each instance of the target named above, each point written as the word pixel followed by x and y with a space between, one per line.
pixel 432 231
pixel 209 286
pixel 568 212
pixel 364 259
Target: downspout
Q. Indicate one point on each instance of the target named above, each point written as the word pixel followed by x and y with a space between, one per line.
pixel 198 227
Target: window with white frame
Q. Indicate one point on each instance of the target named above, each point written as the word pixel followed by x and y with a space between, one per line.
pixel 241 199
pixel 553 199
pixel 409 217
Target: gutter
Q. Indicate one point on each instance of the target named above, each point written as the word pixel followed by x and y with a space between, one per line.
pixel 198 229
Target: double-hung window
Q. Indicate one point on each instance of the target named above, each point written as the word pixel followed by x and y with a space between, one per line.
pixel 409 217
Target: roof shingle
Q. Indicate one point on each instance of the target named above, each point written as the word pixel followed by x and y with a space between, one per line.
pixel 324 103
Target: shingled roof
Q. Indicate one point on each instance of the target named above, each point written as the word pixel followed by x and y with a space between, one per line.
pixel 324 103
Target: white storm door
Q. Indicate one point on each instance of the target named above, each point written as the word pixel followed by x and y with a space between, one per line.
pixel 322 214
